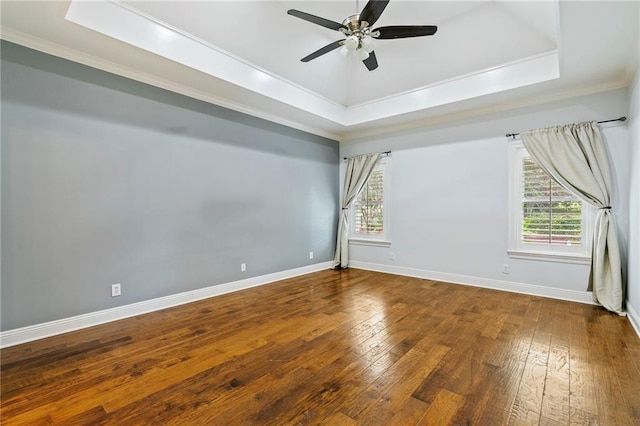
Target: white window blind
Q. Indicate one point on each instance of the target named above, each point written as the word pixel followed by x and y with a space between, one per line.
pixel 369 207
pixel 550 213
pixel 546 221
pixel 370 211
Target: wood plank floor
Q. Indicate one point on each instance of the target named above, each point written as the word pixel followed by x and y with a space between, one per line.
pixel 344 348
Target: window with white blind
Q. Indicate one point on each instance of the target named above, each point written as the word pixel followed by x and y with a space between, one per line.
pixel 370 211
pixel 546 220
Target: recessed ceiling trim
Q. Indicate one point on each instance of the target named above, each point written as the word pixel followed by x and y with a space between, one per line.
pixel 136 28
pixel 536 69
pixel 128 25
pixel 73 55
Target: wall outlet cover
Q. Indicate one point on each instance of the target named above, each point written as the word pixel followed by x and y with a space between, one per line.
pixel 116 290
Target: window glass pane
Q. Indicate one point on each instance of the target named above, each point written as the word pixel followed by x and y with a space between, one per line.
pixel 369 207
pixel 550 213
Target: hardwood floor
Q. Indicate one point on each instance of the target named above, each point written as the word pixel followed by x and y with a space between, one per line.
pixel 343 348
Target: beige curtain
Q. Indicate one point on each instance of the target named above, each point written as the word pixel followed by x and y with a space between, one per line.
pixel 574 155
pixel 358 171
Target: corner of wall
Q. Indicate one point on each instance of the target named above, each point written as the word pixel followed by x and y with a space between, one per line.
pixel 634 318
pixel 633 266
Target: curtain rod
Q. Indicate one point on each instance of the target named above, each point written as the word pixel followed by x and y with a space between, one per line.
pixel 513 135
pixel 383 153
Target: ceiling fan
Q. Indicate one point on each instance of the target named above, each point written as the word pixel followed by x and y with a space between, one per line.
pixel 359 34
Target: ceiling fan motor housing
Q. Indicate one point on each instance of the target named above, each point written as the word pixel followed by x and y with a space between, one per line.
pixel 353 27
pixel 353 23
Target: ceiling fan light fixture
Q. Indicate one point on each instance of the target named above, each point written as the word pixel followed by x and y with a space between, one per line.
pixel 362 54
pixel 351 43
pixel 367 44
pixel 345 52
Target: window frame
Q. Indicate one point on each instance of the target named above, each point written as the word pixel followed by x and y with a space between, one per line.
pixel 383 239
pixel 540 251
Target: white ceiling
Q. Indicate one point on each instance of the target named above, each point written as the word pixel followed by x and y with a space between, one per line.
pixel 486 55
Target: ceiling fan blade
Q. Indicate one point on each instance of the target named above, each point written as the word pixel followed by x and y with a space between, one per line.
pixel 404 31
pixel 328 48
pixel 372 11
pixel 371 62
pixel 315 19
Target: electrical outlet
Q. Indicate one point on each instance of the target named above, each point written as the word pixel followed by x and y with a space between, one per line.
pixel 392 256
pixel 505 268
pixel 243 267
pixel 310 255
pixel 116 290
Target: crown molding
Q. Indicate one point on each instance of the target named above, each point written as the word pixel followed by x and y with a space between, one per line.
pixel 57 50
pixel 73 55
pixel 486 110
pixel 129 25
pixel 507 76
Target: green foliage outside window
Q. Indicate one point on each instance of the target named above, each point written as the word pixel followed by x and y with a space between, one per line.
pixel 369 210
pixel 550 213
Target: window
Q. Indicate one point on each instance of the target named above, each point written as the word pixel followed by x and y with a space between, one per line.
pixel 370 211
pixel 546 220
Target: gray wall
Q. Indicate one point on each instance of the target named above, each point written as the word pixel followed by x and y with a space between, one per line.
pixel 106 180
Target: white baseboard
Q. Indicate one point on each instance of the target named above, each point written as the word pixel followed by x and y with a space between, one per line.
pixel 65 325
pixel 514 287
pixel 634 318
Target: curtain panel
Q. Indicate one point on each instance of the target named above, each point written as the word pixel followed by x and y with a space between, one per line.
pixel 359 170
pixel 575 156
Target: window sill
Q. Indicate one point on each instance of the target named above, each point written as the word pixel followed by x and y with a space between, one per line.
pixel 550 257
pixel 376 243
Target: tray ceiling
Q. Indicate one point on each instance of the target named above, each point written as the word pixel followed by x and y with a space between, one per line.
pixel 246 54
